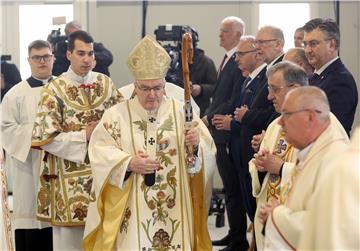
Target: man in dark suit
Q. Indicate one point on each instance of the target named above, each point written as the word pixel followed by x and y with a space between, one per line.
pixel 250 117
pixel 228 83
pixel 321 43
pixel 270 44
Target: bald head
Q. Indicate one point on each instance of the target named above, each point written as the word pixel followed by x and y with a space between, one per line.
pixel 297 56
pixel 305 115
pixel 312 97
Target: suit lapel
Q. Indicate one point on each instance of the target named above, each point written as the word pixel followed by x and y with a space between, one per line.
pixel 332 67
pixel 224 71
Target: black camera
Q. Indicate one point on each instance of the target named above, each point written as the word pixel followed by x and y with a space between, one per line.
pixel 5 58
pixel 58 41
pixel 170 38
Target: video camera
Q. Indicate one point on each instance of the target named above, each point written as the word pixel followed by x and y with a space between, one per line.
pixel 170 38
pixel 5 58
pixel 58 41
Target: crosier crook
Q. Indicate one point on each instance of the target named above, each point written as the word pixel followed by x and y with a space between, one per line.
pixel 187 53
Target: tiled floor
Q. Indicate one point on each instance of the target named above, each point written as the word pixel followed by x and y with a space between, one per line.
pixel 216 233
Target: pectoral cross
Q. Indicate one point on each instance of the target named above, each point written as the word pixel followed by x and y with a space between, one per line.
pixel 151 141
pixel 152 119
pixel 281 146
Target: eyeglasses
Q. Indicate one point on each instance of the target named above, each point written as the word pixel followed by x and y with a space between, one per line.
pixel 264 41
pixel 276 89
pixel 38 58
pixel 146 89
pixel 313 43
pixel 285 114
pixel 243 53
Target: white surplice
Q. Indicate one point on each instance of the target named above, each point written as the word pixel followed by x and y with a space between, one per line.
pixel 18 114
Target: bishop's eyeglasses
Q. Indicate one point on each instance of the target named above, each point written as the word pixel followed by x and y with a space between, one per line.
pixel 147 89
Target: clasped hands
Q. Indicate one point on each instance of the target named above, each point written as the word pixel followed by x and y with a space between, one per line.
pixel 266 161
pixel 256 141
pixel 223 122
pixel 266 209
pixel 141 163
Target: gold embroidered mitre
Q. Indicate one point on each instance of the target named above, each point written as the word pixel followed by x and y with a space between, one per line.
pixel 148 60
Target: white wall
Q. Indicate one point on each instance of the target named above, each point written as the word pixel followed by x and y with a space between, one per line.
pixel 117 24
pixel 126 18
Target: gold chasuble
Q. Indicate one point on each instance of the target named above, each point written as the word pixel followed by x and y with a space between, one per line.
pixel 65 187
pixel 127 214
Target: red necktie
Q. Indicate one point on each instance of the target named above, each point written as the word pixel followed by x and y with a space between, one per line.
pixel 222 64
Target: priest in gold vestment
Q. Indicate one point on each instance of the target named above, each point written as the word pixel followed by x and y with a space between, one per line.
pixel 137 138
pixel 70 107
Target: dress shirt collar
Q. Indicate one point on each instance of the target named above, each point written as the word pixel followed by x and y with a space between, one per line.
pixel 255 72
pixel 273 62
pixel 229 55
pixel 325 66
pixel 87 79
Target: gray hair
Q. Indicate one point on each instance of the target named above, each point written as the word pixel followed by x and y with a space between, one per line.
pixel 292 73
pixel 38 44
pixel 327 26
pixel 276 32
pixel 237 23
pixel 72 25
pixel 312 97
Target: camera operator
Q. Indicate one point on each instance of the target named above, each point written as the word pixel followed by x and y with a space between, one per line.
pixel 10 75
pixel 103 56
pixel 202 71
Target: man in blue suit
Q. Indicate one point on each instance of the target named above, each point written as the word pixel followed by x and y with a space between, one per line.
pixel 321 43
pixel 252 112
pixel 228 84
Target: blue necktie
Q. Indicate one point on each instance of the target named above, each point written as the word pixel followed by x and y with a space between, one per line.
pixel 314 79
pixel 243 90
